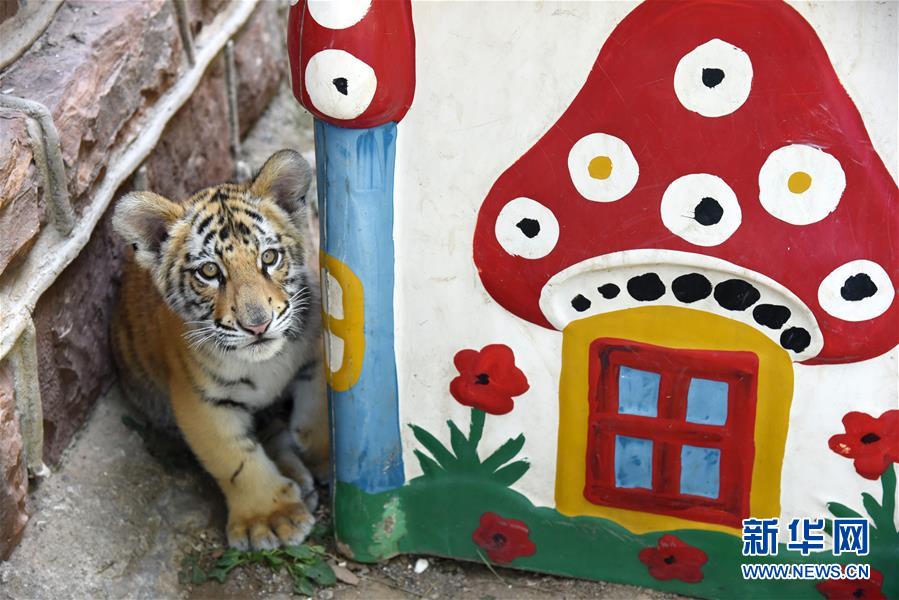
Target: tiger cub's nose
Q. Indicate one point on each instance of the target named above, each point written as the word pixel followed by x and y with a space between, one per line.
pixel 259 328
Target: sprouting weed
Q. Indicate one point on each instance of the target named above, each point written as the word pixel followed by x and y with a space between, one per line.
pixel 307 566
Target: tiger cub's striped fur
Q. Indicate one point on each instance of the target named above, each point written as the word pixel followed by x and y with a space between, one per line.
pixel 218 318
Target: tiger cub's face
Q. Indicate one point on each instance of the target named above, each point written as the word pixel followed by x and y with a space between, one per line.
pixel 230 260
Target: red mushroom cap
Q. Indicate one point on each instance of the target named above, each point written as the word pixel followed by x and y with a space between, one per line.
pixel 712 160
pixel 352 62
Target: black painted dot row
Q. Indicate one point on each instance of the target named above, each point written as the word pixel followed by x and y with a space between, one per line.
pixel 731 294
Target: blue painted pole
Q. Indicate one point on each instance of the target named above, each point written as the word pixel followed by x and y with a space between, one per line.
pixel 355 177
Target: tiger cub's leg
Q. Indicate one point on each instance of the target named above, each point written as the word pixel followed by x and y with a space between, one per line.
pixel 309 419
pixel 281 446
pixel 264 506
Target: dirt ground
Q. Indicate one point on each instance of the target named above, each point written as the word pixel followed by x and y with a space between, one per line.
pixel 116 522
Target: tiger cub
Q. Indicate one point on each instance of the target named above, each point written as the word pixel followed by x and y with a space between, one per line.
pixel 219 318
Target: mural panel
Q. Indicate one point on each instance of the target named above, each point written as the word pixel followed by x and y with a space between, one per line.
pixel 673 254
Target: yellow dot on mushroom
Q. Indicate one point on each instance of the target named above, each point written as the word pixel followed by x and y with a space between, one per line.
pixel 799 182
pixel 600 167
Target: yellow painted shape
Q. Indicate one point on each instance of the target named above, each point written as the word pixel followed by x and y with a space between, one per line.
pixel 349 328
pixel 600 167
pixel 799 182
pixel 682 328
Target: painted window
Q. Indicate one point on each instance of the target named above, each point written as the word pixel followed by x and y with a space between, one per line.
pixel 671 430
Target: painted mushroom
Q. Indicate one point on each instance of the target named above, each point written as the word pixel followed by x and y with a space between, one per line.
pixel 352 62
pixel 352 65
pixel 727 170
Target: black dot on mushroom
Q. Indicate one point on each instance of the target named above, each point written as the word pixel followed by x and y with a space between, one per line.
pixel 736 294
pixel 708 212
pixel 712 77
pixel 858 287
pixel 341 85
pixel 691 287
pixel 646 287
pixel 529 227
pixel 609 290
pixel 771 315
pixel 796 339
pixel 580 303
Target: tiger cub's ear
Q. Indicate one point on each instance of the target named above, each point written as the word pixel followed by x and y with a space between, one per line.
pixel 285 178
pixel 143 220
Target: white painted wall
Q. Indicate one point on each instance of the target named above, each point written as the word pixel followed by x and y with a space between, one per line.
pixel 812 474
pixel 484 71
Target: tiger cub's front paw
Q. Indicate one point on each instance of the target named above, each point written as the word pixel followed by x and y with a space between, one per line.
pixel 284 452
pixel 283 520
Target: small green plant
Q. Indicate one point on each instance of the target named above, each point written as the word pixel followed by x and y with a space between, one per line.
pixel 884 535
pixel 305 564
pixel 463 459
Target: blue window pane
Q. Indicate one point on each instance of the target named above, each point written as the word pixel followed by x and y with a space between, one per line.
pixel 700 471
pixel 633 462
pixel 707 402
pixel 638 392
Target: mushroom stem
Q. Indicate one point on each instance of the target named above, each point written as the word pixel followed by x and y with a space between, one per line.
pixel 355 190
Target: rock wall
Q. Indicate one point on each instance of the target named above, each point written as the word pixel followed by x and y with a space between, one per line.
pixel 21 206
pixel 99 68
pixel 13 479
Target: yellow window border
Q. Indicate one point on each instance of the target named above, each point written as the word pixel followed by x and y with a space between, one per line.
pixel 682 328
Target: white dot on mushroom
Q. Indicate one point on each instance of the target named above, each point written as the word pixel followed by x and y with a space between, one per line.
pixel 801 184
pixel 714 79
pixel 602 167
pixel 339 84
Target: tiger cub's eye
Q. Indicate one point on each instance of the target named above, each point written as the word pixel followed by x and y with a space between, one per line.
pixel 269 257
pixel 210 270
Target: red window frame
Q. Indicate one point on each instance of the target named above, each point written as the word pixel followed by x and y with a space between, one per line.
pixel 669 430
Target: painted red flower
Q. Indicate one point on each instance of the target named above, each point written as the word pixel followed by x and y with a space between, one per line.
pixel 672 558
pixel 488 379
pixel 873 443
pixel 853 589
pixel 503 539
